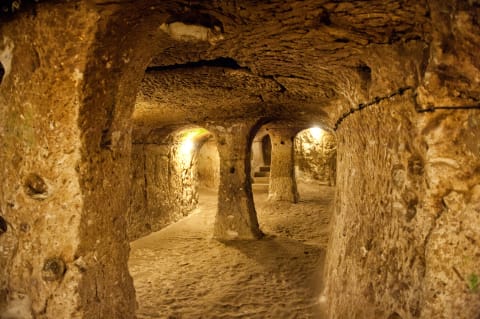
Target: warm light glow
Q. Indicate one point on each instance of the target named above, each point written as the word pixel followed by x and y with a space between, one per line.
pixel 187 146
pixel 316 133
pixel 187 143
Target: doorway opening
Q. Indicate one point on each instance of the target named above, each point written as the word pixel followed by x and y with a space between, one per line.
pixel 261 159
pixel 267 150
pixel 315 161
pixel 168 171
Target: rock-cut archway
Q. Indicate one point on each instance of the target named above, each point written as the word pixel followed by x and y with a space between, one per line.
pixel 315 159
pixel 168 166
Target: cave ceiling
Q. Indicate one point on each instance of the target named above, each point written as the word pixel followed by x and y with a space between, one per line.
pixel 312 61
pixel 279 59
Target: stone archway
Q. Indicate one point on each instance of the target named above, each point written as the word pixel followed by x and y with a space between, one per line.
pixel 315 156
pixel 165 177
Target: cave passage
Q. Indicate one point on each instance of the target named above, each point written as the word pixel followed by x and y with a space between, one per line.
pixel 181 272
pixel 192 159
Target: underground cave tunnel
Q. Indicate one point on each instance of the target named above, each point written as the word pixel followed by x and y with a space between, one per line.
pixel 136 179
pixel 180 270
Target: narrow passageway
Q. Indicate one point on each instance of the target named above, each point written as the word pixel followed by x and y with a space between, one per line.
pixel 182 272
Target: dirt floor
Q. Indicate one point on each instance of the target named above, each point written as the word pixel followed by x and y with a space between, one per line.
pixel 181 272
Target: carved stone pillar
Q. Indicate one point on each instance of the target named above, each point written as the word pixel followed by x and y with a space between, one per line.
pixel 283 186
pixel 236 215
pixel 65 160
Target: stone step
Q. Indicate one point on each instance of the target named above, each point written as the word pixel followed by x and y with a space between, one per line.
pixel 261 174
pixel 261 180
pixel 260 187
pixel 264 168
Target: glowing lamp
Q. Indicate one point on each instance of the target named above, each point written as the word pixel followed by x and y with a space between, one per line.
pixel 316 133
pixel 187 146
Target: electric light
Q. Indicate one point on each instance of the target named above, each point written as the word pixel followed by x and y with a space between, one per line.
pixel 187 146
pixel 316 133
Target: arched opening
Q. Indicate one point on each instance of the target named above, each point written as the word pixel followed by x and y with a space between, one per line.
pixel 312 153
pixel 315 161
pixel 407 160
pixel 181 176
pixel 261 159
pixel 168 170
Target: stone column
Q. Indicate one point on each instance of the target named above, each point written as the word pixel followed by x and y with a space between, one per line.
pixel 65 161
pixel 283 186
pixel 41 195
pixel 236 215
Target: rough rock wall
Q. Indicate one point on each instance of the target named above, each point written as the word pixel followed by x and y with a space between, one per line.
pixel 65 158
pixel 40 194
pixel 316 160
pixel 138 221
pixel 66 103
pixel 164 187
pixel 452 252
pixel 183 180
pixel 208 165
pixel 148 160
pixel 406 227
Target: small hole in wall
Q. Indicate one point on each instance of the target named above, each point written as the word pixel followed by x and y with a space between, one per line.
pixel 282 142
pixel 3 225
pixel 53 269
pixel 24 227
pixel 232 170
pixel 2 73
pixel 394 316
pixel 35 187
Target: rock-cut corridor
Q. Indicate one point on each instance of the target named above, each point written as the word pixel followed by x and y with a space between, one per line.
pixel 239 158
pixel 181 272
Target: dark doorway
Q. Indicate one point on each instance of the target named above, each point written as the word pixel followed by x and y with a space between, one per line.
pixel 267 150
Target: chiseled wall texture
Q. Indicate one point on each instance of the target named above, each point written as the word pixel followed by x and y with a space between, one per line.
pixel 406 230
pixel 208 165
pixel 164 187
pixel 315 160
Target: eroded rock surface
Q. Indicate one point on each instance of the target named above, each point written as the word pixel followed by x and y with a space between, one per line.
pixel 397 80
pixel 316 157
pixel 394 239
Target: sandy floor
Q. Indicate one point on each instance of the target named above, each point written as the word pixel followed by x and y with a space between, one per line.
pixel 181 272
